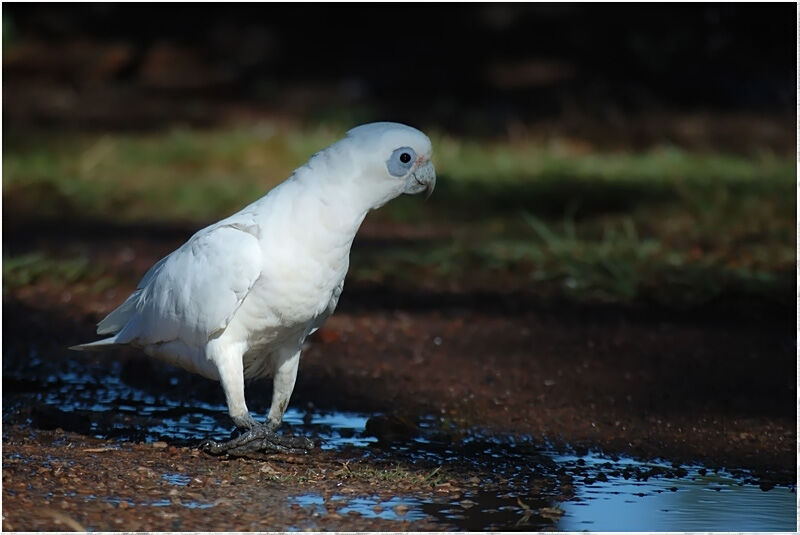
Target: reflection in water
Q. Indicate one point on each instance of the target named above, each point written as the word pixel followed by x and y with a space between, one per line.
pixel 710 502
pixel 522 485
pixel 179 480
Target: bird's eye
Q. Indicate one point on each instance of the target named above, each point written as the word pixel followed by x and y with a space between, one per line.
pixel 401 161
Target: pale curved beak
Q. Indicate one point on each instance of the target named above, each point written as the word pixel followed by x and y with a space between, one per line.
pixel 424 178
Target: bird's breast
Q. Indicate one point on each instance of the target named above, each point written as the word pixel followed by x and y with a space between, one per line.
pixel 305 247
pixel 285 301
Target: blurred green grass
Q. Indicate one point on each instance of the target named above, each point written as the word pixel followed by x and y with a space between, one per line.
pixel 180 175
pixel 29 268
pixel 666 224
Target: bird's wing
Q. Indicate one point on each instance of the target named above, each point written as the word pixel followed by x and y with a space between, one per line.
pixel 318 321
pixel 194 292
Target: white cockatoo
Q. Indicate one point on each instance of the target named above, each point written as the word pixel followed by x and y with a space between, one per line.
pixel 237 300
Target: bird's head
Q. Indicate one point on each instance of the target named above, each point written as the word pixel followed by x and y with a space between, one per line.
pixel 392 159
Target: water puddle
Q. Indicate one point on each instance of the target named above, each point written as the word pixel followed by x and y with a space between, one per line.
pixel 716 502
pixel 179 480
pixel 628 495
pixel 100 404
pixel 516 484
pixel 397 508
pixel 115 500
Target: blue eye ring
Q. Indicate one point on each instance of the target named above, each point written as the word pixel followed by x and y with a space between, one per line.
pixel 401 161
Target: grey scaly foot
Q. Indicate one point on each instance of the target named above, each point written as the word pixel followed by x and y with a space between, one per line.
pixel 258 439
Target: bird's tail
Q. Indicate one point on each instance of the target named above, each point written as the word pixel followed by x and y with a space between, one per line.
pixel 113 323
pixel 99 345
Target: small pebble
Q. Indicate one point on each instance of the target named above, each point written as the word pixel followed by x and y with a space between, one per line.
pixel 400 509
pixel 466 504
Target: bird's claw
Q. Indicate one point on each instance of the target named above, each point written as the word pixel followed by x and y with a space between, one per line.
pixel 258 440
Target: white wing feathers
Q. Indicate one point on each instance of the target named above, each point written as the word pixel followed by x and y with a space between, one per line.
pixel 116 320
pixel 192 293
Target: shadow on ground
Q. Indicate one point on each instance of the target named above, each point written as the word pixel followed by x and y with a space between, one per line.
pixel 610 374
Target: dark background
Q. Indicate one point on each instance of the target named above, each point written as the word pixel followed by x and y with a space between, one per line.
pixel 608 262
pixel 470 68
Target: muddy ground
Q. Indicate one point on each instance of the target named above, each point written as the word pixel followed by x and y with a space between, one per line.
pixel 472 405
pixel 714 385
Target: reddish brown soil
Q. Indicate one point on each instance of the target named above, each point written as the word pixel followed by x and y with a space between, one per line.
pixel 653 388
pixel 715 385
pixel 58 481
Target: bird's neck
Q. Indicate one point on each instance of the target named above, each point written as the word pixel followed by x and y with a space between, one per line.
pixel 326 209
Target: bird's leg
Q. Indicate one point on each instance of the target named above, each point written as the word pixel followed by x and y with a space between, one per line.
pixel 258 437
pixel 285 375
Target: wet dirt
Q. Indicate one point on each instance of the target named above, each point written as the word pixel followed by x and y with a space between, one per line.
pixel 434 410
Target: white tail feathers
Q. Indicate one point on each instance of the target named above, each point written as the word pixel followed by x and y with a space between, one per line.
pixel 116 320
pixel 112 324
pixel 96 346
